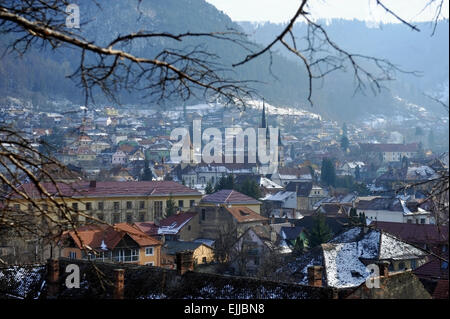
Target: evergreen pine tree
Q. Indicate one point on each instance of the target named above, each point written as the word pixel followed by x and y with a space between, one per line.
pixel 357 173
pixel 320 232
pixel 299 248
pixel 344 143
pixel 171 209
pixel 147 175
pixel 209 189
pixel 328 172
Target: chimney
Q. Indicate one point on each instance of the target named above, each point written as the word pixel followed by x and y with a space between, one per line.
pixel 384 268
pixel 272 219
pixel 273 236
pixel 185 262
pixel 93 184
pixel 52 278
pixel 119 286
pixel 315 276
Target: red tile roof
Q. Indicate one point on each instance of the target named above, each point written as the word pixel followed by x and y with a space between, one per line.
pixel 228 196
pixel 245 214
pixel 103 189
pixel 415 233
pixel 150 228
pixel 94 235
pixel 177 219
pixel 441 290
pixel 432 270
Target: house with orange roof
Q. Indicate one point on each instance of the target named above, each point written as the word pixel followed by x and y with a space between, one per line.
pixel 122 243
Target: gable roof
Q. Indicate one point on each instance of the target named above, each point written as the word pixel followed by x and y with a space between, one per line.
pixel 303 189
pixel 390 204
pixel 99 236
pixel 415 233
pixel 173 224
pixel 172 247
pixel 432 269
pixel 229 196
pixel 150 228
pixel 345 256
pixel 299 172
pixel 245 214
pixel 291 233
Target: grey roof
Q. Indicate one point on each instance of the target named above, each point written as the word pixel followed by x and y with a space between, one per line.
pixel 173 247
pixel 291 233
pixel 303 188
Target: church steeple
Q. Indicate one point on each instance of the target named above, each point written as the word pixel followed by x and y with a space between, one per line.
pixel 263 121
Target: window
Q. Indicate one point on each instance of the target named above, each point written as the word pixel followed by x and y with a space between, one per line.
pixel 129 218
pixel 180 203
pixel 129 205
pixel 75 206
pixel 72 255
pixel 142 216
pixel 148 251
pixel 422 220
pixel 204 260
pixel 116 218
pixel 88 206
pixel 401 266
pixel 158 209
pixel 141 204
pixel 100 205
pixel 191 203
pixel 150 263
pixel 116 206
pixel 409 221
pixel 125 255
pixel 203 214
pixel 189 228
pixel 101 216
pixel 413 264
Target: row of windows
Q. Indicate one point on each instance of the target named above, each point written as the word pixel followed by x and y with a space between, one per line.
pixel 116 205
pixel 129 205
pixel 124 255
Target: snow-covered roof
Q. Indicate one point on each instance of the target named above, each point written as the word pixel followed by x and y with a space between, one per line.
pixel 344 254
pixel 353 165
pixel 421 172
pixel 267 183
pixel 279 197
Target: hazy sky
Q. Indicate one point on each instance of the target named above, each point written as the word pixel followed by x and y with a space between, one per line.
pixel 283 10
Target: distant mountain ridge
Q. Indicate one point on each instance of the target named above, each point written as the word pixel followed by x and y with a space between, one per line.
pixel 39 76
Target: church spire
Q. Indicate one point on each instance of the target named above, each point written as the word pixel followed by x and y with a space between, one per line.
pixel 263 122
